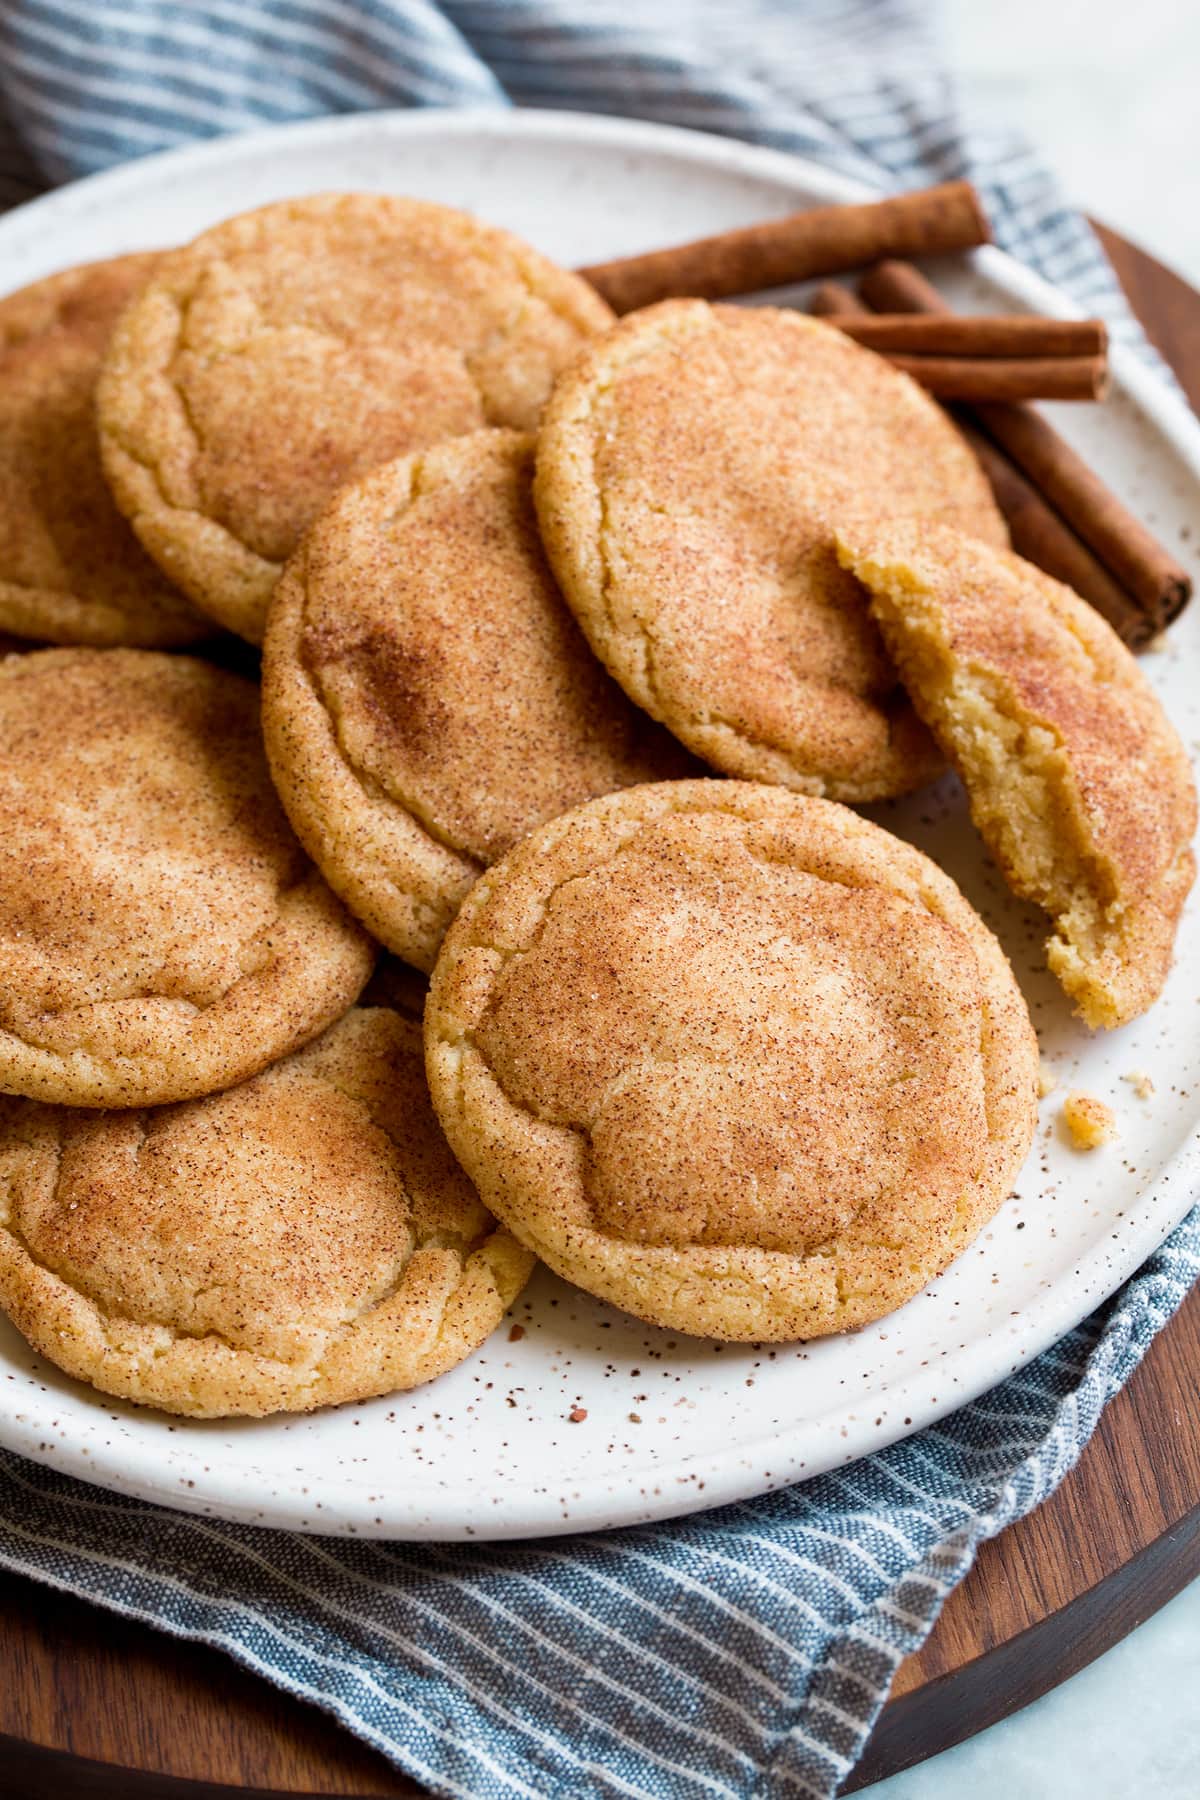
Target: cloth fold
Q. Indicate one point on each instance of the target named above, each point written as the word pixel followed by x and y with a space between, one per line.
pixel 739 1653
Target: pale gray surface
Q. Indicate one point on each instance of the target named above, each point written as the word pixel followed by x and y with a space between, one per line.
pixel 1126 1728
pixel 1107 91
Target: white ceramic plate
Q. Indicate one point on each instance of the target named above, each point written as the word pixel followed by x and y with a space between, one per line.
pixel 672 1424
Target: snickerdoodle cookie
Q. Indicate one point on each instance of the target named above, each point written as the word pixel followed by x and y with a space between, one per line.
pixel 302 1239
pixel 162 933
pixel 692 465
pixel 732 1058
pixel 71 570
pixel 1077 779
pixel 293 348
pixel 427 696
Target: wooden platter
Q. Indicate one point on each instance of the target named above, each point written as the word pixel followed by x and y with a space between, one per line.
pixel 93 1706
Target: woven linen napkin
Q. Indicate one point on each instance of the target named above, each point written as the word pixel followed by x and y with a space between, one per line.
pixel 744 1652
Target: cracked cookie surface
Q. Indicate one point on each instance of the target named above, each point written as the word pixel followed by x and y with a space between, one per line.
pixel 290 349
pixel 303 1239
pixel 691 468
pixel 162 933
pixel 731 1058
pixel 428 697
pixel 1078 781
pixel 71 569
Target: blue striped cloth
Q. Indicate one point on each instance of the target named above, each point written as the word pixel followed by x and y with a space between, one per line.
pixel 739 1653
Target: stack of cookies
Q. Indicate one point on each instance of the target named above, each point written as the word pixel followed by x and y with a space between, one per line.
pixel 580 640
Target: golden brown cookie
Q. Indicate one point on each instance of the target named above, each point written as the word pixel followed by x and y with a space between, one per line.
pixel 71 570
pixel 291 349
pixel 731 1058
pixel 1077 779
pixel 692 465
pixel 300 1240
pixel 162 933
pixel 427 696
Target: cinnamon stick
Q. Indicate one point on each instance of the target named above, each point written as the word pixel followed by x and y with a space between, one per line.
pixel 1037 531
pixel 990 369
pixel 1006 380
pixel 892 286
pixel 1042 537
pixel 1146 568
pixel 821 241
pixel 831 300
pixel 976 335
pixel 1140 565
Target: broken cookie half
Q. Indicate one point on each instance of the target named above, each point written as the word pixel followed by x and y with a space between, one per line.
pixel 1077 780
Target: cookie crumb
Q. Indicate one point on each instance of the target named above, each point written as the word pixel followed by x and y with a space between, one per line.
pixel 516 1333
pixel 635 1418
pixel 577 1415
pixel 1047 1080
pixel 1089 1121
pixel 1141 1083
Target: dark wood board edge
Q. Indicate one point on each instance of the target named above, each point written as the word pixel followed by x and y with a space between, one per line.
pixel 1167 306
pixel 32 1772
pixel 958 1705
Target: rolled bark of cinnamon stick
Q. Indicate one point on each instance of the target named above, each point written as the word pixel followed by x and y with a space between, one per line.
pixel 1006 380
pixel 893 287
pixel 832 300
pixel 1042 537
pixel 1133 554
pixel 975 335
pixel 1142 566
pixel 1037 532
pixel 822 241
pixel 980 360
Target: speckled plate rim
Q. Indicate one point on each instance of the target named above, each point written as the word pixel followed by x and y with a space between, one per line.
pixel 821 1441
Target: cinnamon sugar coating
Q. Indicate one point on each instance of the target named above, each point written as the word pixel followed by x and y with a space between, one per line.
pixel 71 570
pixel 1078 781
pixel 161 932
pixel 732 1058
pixel 427 696
pixel 300 1240
pixel 289 350
pixel 692 466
